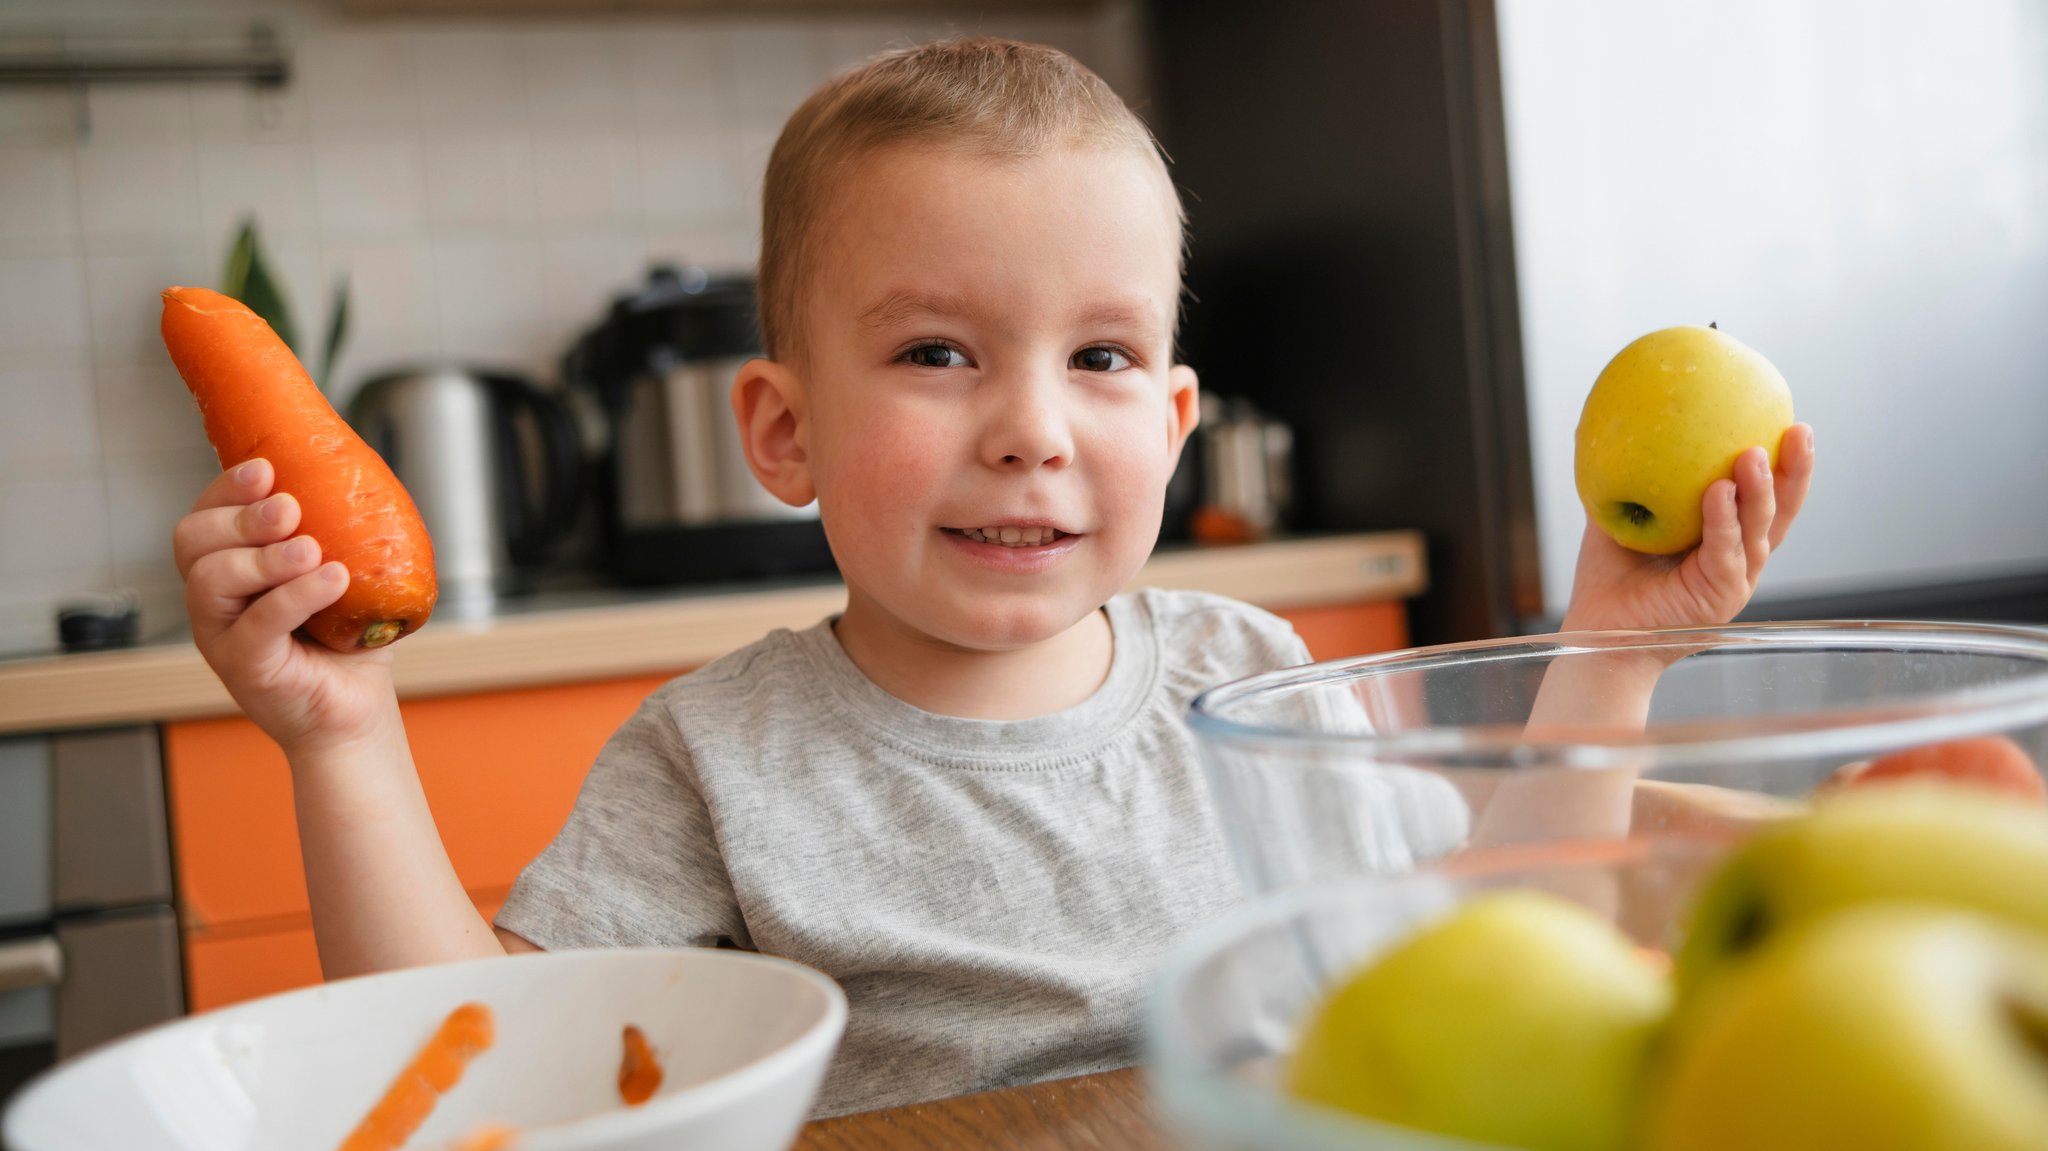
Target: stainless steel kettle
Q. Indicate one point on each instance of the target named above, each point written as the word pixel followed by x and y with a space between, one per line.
pixel 494 464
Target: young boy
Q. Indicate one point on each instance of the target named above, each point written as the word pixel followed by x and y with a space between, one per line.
pixel 971 798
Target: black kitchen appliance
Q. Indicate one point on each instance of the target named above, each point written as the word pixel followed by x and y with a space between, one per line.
pixel 679 503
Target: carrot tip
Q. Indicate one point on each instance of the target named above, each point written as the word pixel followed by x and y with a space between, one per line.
pixel 382 632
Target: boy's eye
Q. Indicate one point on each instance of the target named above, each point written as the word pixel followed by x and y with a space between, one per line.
pixel 935 356
pixel 1101 360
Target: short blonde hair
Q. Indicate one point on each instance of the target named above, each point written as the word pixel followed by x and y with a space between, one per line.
pixel 992 97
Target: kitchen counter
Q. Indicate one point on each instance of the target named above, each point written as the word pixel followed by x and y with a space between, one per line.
pixel 584 636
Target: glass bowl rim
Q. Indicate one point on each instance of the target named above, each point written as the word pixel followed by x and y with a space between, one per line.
pixel 1844 731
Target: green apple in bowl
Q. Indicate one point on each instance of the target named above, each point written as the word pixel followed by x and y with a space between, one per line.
pixel 1520 1019
pixel 1666 418
pixel 1886 1027
pixel 1920 841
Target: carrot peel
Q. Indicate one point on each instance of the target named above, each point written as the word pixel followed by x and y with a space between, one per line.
pixel 639 1072
pixel 467 1032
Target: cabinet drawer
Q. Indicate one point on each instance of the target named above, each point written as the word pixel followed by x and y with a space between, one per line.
pixel 500 771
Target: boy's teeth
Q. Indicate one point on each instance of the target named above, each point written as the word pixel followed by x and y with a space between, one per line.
pixel 1011 537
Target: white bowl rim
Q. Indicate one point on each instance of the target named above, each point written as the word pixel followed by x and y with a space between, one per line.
pixel 623 1122
pixel 1847 731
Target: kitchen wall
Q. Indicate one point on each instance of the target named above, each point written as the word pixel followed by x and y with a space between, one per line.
pixel 485 184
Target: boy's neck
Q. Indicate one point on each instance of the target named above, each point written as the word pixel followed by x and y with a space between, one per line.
pixel 1022 683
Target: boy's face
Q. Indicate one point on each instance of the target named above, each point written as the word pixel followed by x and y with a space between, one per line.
pixel 989 411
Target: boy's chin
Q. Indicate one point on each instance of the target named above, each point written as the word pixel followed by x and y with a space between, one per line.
pixel 994 627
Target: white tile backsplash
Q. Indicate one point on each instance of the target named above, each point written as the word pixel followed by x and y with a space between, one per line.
pixel 370 189
pixel 680 78
pixel 391 286
pixel 488 183
pixel 483 180
pixel 38 116
pixel 50 420
pixel 53 526
pixel 575 78
pixel 782 61
pixel 139 114
pixel 273 183
pixel 42 312
pixel 487 280
pixel 469 80
pixel 242 115
pixel 39 191
pixel 692 176
pixel 359 83
pixel 586 179
pixel 137 195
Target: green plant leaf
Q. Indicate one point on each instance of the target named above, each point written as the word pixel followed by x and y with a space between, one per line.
pixel 337 331
pixel 249 280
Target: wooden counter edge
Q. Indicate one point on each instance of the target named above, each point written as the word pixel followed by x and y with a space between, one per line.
pixel 171 681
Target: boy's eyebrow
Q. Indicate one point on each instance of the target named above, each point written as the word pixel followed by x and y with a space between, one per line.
pixel 904 304
pixel 1116 314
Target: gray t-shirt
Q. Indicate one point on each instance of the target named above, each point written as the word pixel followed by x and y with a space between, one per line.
pixel 992 895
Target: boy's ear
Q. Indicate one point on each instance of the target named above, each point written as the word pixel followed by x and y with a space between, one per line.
pixel 767 400
pixel 1183 406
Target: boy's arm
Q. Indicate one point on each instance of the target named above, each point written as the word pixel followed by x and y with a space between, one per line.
pixel 383 892
pixel 1746 518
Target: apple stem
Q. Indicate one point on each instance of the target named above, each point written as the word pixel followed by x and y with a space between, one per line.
pixel 1714 324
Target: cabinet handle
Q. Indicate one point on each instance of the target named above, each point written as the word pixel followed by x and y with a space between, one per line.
pixel 35 962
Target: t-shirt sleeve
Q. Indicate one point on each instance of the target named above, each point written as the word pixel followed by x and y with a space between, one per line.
pixel 637 863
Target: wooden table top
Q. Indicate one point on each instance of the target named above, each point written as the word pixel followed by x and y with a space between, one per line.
pixel 1107 1111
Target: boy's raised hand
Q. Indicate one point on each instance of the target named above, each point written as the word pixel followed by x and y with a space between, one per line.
pixel 249 584
pixel 1745 520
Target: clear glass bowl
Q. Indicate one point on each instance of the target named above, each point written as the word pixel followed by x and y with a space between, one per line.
pixel 1364 797
pixel 1231 996
pixel 1388 762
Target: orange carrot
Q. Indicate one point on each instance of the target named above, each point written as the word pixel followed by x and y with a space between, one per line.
pixel 465 1034
pixel 258 401
pixel 639 1073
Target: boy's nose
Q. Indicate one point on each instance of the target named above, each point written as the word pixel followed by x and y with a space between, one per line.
pixel 1027 429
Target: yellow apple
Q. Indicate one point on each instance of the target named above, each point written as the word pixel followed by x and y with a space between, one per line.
pixel 1666 418
pixel 1520 1019
pixel 1918 840
pixel 1887 1027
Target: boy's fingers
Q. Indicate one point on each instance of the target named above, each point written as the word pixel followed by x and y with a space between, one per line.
pixel 222 582
pixel 281 611
pixel 245 483
pixel 1721 556
pixel 214 529
pixel 1756 506
pixel 1794 478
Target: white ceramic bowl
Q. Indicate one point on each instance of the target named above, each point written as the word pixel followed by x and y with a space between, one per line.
pixel 743 1041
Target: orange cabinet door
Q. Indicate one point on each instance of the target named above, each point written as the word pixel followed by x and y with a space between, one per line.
pixel 1339 631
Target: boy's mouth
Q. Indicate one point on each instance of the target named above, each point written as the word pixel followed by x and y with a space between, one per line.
pixel 1012 536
